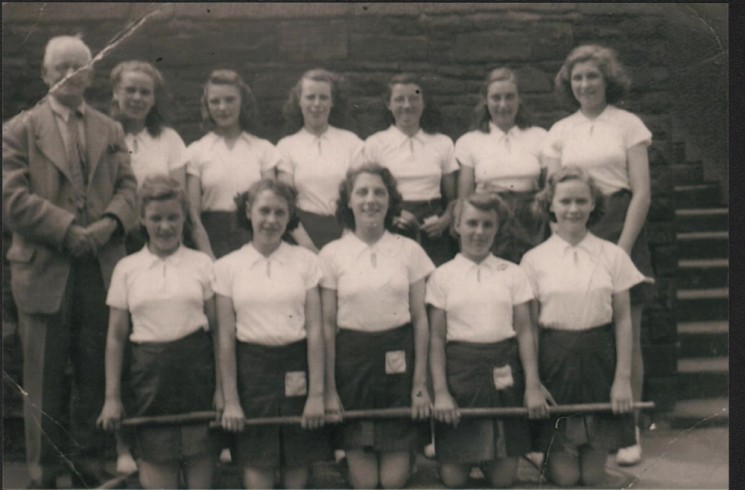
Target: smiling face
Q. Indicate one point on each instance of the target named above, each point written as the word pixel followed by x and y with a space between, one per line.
pixel 315 103
pixel 164 222
pixel 269 215
pixel 135 95
pixel 588 85
pixel 477 229
pixel 572 204
pixel 406 104
pixel 369 201
pixel 503 101
pixel 62 60
pixel 224 104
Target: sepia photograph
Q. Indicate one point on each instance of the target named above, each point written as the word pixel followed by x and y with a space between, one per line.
pixel 365 245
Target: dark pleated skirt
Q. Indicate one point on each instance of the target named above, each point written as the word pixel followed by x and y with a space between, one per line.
pixel 224 232
pixel 579 367
pixel 610 227
pixel 262 373
pixel 362 383
pixel 470 376
pixel 526 227
pixel 440 249
pixel 322 229
pixel 166 378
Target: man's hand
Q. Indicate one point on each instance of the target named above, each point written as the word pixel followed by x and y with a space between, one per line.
pixel 78 241
pixel 100 231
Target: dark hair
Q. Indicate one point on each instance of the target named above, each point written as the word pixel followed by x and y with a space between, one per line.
pixel 431 120
pixel 155 119
pixel 617 82
pixel 245 200
pixel 345 215
pixel 160 187
pixel 249 114
pixel 484 201
pixel 564 174
pixel 481 116
pixel 294 115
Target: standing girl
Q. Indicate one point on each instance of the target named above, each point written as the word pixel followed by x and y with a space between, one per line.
pixel 611 144
pixel 163 293
pixel 375 327
pixel 482 350
pixel 581 284
pixel 315 159
pixel 268 300
pixel 502 154
pixel 421 159
pixel 226 161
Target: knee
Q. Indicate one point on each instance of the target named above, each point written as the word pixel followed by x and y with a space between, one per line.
pixel 363 479
pixel 502 474
pixel 258 478
pixel 394 479
pixel 295 477
pixel 453 476
pixel 593 477
pixel 563 474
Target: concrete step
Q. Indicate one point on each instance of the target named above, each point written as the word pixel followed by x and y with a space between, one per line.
pixel 706 412
pixel 702 273
pixel 703 304
pixel 703 219
pixel 702 195
pixel 703 339
pixel 687 173
pixel 703 244
pixel 703 378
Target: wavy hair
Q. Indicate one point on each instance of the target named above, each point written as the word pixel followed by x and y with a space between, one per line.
pixel 431 120
pixel 568 173
pixel 160 187
pixel 617 82
pixel 248 118
pixel 294 115
pixel 245 200
pixel 481 116
pixel 345 215
pixel 484 201
pixel 155 119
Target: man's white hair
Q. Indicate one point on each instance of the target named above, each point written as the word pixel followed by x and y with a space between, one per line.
pixel 59 42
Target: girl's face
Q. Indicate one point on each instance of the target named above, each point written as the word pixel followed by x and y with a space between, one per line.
pixel 269 215
pixel 164 222
pixel 224 104
pixel 572 205
pixel 477 229
pixel 503 101
pixel 406 104
pixel 135 95
pixel 315 103
pixel 369 200
pixel 588 84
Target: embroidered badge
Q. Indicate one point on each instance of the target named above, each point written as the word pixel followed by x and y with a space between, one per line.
pixel 395 362
pixel 295 384
pixel 503 377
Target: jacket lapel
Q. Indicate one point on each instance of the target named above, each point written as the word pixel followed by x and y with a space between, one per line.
pixel 49 141
pixel 96 140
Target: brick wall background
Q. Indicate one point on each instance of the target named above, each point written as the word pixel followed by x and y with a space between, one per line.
pixel 676 55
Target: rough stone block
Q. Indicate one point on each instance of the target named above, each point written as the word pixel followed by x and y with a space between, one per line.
pixel 494 46
pixel 313 41
pixel 550 40
pixel 661 233
pixel 665 261
pixel 661 179
pixel 659 326
pixel 55 12
pixel 660 359
pixel 393 8
pixel 403 48
pixel 260 10
pixel 662 391
pixel 665 290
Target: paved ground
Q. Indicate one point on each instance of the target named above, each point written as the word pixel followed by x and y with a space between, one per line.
pixel 673 459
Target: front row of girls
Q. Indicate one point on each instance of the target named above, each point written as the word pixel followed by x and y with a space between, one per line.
pixel 314 336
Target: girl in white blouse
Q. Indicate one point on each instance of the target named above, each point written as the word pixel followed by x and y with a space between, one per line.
pixel 502 154
pixel 422 161
pixel 482 350
pixel 315 158
pixel 581 284
pixel 162 301
pixel 375 328
pixel 611 144
pixel 224 162
pixel 271 344
pixel 138 103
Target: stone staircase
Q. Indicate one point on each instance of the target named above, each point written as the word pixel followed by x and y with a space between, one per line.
pixel 702 299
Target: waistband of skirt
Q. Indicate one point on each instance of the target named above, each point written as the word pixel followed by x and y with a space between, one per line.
pixel 402 329
pixel 482 346
pixel 194 336
pixel 586 331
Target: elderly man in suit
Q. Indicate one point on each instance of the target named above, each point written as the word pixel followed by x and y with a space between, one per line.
pixel 68 196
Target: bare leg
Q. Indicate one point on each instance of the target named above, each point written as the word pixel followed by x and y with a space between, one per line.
pixel 637 361
pixel 254 477
pixel 395 469
pixel 363 468
pixel 454 475
pixel 295 477
pixel 502 472
pixel 199 473
pixel 563 468
pixel 592 463
pixel 159 475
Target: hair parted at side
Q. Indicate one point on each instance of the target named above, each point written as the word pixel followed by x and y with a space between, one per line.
pixel 481 116
pixel 431 120
pixel 616 80
pixel 249 115
pixel 344 214
pixel 484 201
pixel 161 187
pixel 58 42
pixel 337 117
pixel 156 118
pixel 245 200
pixel 568 173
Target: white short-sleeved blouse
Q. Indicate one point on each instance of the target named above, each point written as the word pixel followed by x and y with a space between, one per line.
pixel 157 155
pixel 574 285
pixel 225 172
pixel 599 145
pixel 319 164
pixel 372 282
pixel 503 161
pixel 478 299
pixel 165 296
pixel 268 293
pixel 417 162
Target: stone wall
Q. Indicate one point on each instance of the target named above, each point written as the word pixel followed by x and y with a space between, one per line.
pixel 272 44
